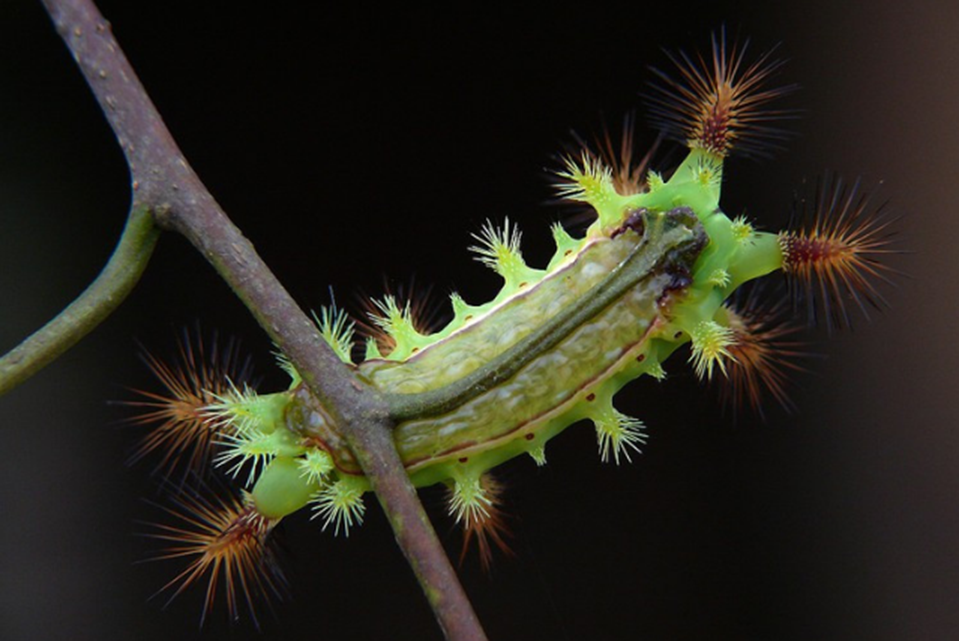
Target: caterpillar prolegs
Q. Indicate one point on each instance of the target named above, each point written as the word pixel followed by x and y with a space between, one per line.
pixel 658 269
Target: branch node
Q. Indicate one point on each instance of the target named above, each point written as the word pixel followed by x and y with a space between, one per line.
pixel 162 213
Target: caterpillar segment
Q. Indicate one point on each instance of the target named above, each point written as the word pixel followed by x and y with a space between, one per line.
pixel 657 269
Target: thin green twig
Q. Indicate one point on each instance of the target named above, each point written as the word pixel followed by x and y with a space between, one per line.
pixel 98 301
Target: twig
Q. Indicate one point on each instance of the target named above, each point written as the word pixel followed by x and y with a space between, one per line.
pixel 165 185
pixel 97 301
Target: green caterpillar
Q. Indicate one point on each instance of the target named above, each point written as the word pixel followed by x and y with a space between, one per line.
pixel 655 271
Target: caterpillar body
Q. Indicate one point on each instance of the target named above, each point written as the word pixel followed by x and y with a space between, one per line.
pixel 655 271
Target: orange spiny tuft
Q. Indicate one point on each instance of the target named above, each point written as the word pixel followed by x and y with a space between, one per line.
pixel 418 304
pixel 834 253
pixel 628 172
pixel 721 105
pixel 487 524
pixel 184 432
pixel 224 539
pixel 763 351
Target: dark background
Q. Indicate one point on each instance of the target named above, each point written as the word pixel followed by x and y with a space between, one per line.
pixel 353 144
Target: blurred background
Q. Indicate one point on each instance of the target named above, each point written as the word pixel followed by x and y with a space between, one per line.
pixel 357 147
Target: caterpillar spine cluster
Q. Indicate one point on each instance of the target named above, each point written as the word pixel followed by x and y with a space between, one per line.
pixel 657 269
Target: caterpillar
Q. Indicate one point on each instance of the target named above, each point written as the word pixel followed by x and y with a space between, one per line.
pixel 657 270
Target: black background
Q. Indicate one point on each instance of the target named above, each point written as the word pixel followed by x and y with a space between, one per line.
pixel 349 144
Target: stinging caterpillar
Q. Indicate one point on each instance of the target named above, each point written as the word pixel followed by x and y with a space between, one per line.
pixel 657 270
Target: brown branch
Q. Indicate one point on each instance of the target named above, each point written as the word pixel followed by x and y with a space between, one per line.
pixel 165 184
